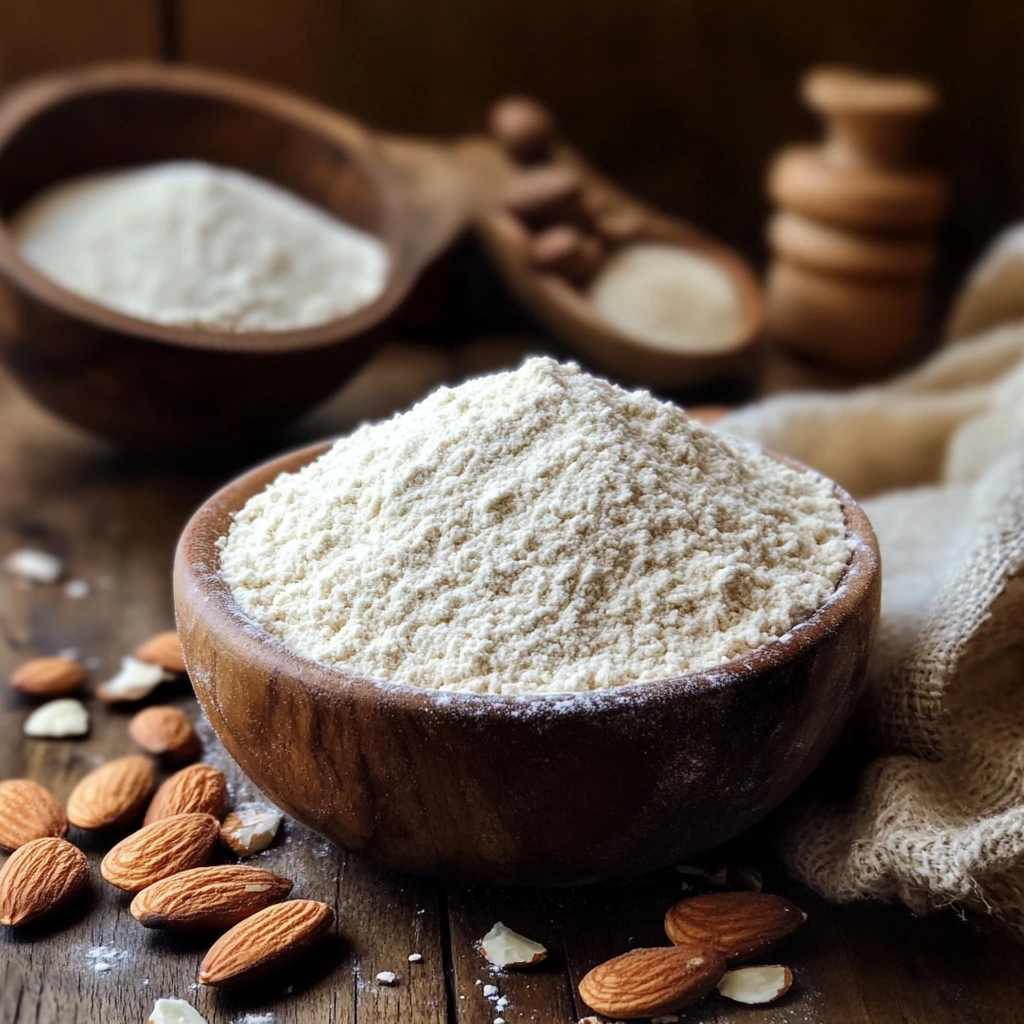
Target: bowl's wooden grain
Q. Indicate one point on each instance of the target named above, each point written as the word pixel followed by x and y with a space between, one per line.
pixel 172 388
pixel 548 790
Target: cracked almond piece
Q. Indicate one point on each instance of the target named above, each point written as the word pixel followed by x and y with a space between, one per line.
pixel 210 897
pixel 163 649
pixel 29 811
pixel 175 1011
pixel 250 829
pixel 113 795
pixel 54 676
pixel 160 850
pixel 197 788
pixel 756 986
pixel 39 879
pixel 505 948
pixel 166 732
pixel 57 719
pixel 135 680
pixel 739 924
pixel 265 942
pixel 652 982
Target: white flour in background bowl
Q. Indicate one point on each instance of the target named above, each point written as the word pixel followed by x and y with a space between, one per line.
pixel 539 531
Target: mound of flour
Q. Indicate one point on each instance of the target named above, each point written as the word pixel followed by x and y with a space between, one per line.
pixel 531 532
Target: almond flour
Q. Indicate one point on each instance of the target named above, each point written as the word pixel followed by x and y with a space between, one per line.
pixel 537 531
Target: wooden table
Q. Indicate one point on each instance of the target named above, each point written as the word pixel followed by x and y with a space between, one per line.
pixel 115 519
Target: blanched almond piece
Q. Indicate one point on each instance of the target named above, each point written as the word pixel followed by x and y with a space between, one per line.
pixel 652 982
pixel 265 942
pixel 27 812
pixel 163 650
pixel 756 985
pixel 250 829
pixel 197 788
pixel 112 795
pixel 213 897
pixel 160 850
pixel 49 677
pixel 175 1011
pixel 57 719
pixel 40 878
pixel 165 732
pixel 34 566
pixel 740 924
pixel 506 948
pixel 136 680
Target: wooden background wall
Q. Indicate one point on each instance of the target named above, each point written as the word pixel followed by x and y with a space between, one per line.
pixel 682 100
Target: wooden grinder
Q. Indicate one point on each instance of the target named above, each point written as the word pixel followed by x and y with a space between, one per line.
pixel 853 241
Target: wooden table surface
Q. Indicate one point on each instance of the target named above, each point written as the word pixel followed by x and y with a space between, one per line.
pixel 115 520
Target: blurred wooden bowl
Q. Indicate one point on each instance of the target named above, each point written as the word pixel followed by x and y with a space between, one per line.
pixel 554 789
pixel 169 388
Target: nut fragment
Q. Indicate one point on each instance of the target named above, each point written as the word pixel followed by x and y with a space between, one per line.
pixel 739 924
pixel 212 897
pixel 164 650
pixel 58 719
pixel 250 829
pixel 756 985
pixel 112 795
pixel 159 850
pixel 136 680
pixel 506 948
pixel 651 982
pixel 199 788
pixel 386 978
pixel 34 566
pixel 265 942
pixel 27 812
pixel 40 878
pixel 164 731
pixel 174 1011
pixel 49 677
pixel 524 128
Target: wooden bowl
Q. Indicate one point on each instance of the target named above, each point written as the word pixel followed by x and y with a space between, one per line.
pixel 555 789
pixel 162 387
pixel 565 310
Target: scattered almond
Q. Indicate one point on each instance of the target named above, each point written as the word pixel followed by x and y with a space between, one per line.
pixel 213 897
pixel 650 982
pixel 174 1011
pixel 40 878
pixel 740 924
pixel 164 650
pixel 34 566
pixel 57 719
pixel 28 811
pixel 756 985
pixel 112 795
pixel 165 732
pixel 265 942
pixel 160 850
pixel 49 677
pixel 506 948
pixel 136 680
pixel 199 788
pixel 250 828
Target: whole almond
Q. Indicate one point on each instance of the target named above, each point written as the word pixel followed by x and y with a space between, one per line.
pixel 163 650
pixel 28 811
pixel 160 850
pixel 40 878
pixel 197 788
pixel 112 795
pixel 265 942
pixel 739 924
pixel 165 731
pixel 49 677
pixel 214 897
pixel 652 982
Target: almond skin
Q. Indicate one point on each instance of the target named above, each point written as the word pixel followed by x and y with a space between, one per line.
pixel 165 732
pixel 265 942
pixel 215 897
pixel 741 925
pixel 652 982
pixel 40 878
pixel 49 677
pixel 164 650
pixel 160 850
pixel 28 811
pixel 113 795
pixel 199 788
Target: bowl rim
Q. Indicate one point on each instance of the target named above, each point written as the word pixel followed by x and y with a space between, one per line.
pixel 198 582
pixel 33 98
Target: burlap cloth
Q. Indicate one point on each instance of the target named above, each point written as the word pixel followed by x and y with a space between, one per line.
pixel 936 815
